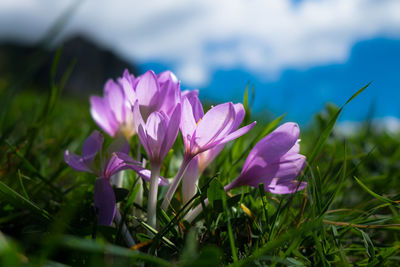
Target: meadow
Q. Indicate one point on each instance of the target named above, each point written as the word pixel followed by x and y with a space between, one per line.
pixel 346 216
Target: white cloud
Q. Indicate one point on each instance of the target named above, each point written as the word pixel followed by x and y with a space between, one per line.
pixel 201 36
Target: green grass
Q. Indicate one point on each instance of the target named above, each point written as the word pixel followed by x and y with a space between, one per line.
pixel 347 216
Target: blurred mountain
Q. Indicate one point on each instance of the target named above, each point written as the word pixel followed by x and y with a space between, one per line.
pixel 94 64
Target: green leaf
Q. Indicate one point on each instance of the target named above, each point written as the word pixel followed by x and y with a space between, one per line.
pixel 215 192
pixel 372 193
pixel 369 246
pixel 8 195
pixel 84 245
pixel 246 98
pixel 189 253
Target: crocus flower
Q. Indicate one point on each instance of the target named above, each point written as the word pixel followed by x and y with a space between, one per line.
pixel 217 127
pixel 104 198
pixel 204 132
pixel 152 92
pixel 113 112
pixel 202 160
pixel 274 161
pixel 157 135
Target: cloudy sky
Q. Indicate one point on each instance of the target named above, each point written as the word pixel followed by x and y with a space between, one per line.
pixel 304 50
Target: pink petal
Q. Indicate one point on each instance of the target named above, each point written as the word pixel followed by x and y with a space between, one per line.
pixel 172 132
pixel 287 188
pixel 276 144
pixel 214 122
pixel 147 92
pixel 156 130
pixel 206 157
pixel 197 107
pixel 230 137
pixel 188 123
pixel 239 115
pixel 189 180
pixel 116 100
pixel 102 115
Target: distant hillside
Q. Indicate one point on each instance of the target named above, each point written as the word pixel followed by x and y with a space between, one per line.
pixel 94 64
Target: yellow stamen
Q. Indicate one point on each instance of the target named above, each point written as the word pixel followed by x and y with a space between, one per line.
pixel 197 124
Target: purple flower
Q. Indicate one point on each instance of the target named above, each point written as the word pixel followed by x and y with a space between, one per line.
pixel 115 160
pixel 113 112
pixel 158 133
pixel 274 161
pixel 202 132
pixel 217 127
pixel 153 92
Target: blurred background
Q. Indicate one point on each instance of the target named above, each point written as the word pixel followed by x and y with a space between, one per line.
pixel 297 54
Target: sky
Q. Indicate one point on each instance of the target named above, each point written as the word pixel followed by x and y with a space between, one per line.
pixel 298 54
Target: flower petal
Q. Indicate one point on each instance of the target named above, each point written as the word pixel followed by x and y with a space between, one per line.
pixel 239 115
pixel 287 188
pixel 189 180
pixel 230 137
pixel 147 92
pixel 272 147
pixel 127 84
pixel 135 165
pixel 172 132
pixel 170 88
pixel 214 122
pixel 76 162
pixel 116 100
pixel 102 115
pixel 206 157
pixel 197 107
pixel 104 201
pixel 188 123
pixel 156 130
pixel 91 146
pixel 137 116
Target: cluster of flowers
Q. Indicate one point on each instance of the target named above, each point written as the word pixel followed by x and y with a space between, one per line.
pixel 154 107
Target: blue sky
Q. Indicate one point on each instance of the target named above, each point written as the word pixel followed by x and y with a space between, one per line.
pixel 301 93
pixel 297 54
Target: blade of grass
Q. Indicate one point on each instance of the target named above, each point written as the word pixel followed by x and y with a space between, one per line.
pixel 325 134
pixel 10 196
pixel 85 245
pixel 372 193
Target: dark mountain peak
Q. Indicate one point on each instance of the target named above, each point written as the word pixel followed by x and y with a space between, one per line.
pixel 94 64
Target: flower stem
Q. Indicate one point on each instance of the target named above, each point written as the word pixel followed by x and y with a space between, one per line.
pixel 175 183
pixel 152 199
pixel 117 179
pixel 125 232
pixel 191 215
